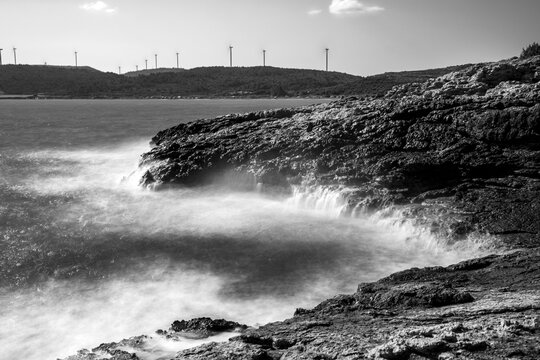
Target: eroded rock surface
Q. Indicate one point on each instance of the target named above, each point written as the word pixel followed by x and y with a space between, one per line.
pixel 486 308
pixel 458 154
pixel 492 312
pixel 152 346
pixel 200 328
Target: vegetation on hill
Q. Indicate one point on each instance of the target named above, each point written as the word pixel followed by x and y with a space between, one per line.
pixel 85 82
pixel 244 81
pixel 531 50
pixel 58 80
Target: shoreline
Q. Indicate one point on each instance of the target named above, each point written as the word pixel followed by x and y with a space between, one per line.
pixel 476 309
pixel 457 156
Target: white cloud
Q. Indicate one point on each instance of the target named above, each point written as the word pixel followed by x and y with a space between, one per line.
pixel 352 7
pixel 314 12
pixel 98 6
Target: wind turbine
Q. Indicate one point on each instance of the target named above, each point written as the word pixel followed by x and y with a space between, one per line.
pixel 119 70
pixel 1 56
pixel 155 59
pixel 146 64
pixel 177 60
pixel 15 55
pixel 76 62
pixel 230 54
pixel 327 49
pixel 264 57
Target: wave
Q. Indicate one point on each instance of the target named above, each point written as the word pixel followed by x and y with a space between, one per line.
pixel 340 201
pixel 155 257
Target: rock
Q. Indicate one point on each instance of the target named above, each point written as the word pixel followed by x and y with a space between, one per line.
pixel 535 323
pixel 450 155
pixel 474 345
pixel 411 295
pixel 398 349
pixel 282 343
pixel 256 339
pixel 392 350
pixel 448 337
pixel 446 356
pixel 204 327
pixel 353 326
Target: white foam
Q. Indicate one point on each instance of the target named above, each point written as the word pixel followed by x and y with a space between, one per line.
pixel 63 317
pixel 322 199
pixel 159 347
pixel 335 201
pixel 64 171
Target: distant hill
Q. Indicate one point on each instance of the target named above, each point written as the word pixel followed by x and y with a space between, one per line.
pixel 86 82
pixel 243 81
pixel 152 71
pixel 57 80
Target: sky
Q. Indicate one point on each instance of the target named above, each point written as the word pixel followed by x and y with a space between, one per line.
pixel 364 37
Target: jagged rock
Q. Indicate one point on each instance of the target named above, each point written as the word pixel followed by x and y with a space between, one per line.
pixel 403 349
pixel 411 295
pixel 473 141
pixel 201 327
pixel 109 354
pixel 340 330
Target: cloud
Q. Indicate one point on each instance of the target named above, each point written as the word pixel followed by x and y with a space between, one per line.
pixel 352 7
pixel 314 12
pixel 98 6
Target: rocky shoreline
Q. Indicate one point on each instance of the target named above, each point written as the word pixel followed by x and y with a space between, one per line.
pixel 487 308
pixel 458 155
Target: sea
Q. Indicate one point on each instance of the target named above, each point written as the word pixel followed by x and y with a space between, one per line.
pixel 88 256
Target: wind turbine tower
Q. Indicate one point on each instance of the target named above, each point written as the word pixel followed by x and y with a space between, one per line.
pixel 119 70
pixel 264 57
pixel 136 67
pixel 155 59
pixel 15 55
pixel 327 49
pixel 230 55
pixel 177 61
pixel 146 64
pixel 76 62
pixel 1 56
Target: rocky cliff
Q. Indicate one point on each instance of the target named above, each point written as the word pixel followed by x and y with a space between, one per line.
pixel 459 155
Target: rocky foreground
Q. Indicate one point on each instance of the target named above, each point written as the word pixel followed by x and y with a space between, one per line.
pixel 458 155
pixel 486 308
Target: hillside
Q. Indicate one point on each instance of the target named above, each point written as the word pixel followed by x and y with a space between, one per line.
pixel 56 80
pixel 257 81
pixel 86 82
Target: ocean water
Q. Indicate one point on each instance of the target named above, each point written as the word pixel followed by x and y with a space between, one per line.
pixel 86 256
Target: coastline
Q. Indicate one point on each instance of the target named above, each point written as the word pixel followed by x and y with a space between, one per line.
pixel 458 156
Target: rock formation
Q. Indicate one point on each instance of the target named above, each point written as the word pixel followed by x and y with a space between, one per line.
pixel 486 308
pixel 459 155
